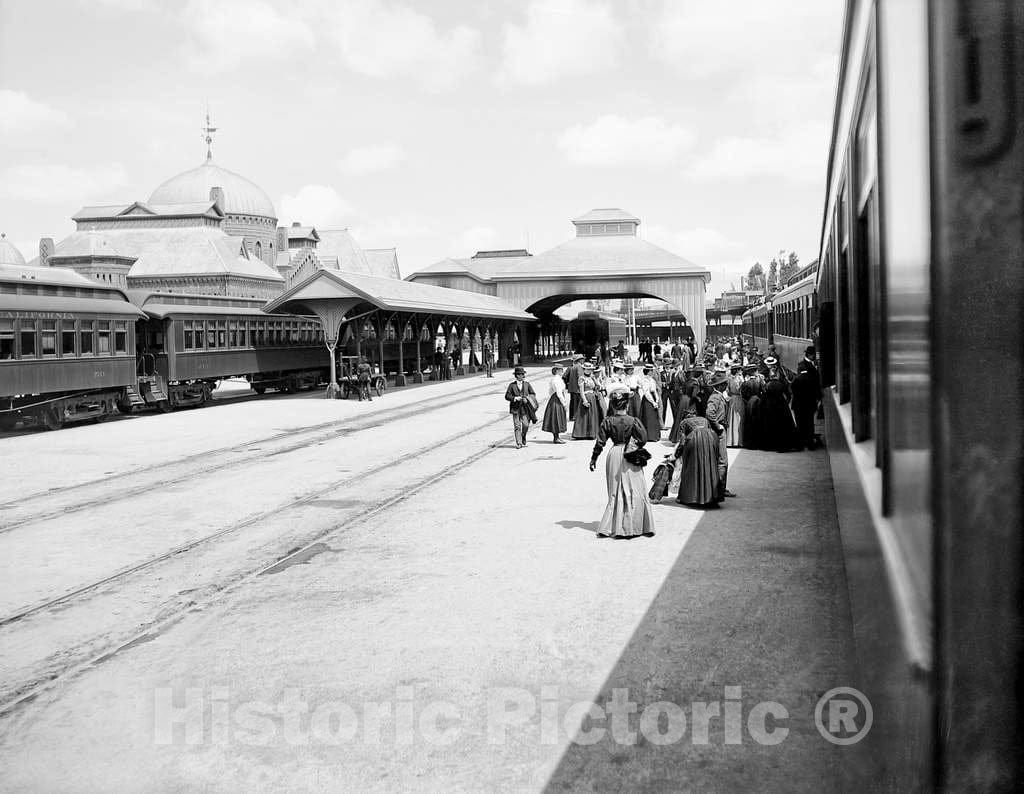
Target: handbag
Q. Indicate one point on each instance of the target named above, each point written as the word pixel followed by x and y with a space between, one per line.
pixel 636 454
pixel 531 400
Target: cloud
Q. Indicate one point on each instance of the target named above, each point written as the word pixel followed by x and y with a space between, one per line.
pixel 226 33
pixel 468 242
pixel 371 159
pixel 316 205
pixel 88 185
pixel 698 39
pixel 387 232
pixel 615 141
pixel 20 114
pixel 797 154
pixel 701 245
pixel 560 38
pixel 378 39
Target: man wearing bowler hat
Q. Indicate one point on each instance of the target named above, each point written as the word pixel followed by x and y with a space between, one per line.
pixel 520 406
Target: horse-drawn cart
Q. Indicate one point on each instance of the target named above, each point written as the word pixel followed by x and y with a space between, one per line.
pixel 349 382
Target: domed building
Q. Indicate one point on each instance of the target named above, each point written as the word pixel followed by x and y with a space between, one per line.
pixel 248 211
pixel 9 253
pixel 206 231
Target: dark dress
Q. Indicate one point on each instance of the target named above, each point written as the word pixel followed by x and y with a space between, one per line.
pixel 554 416
pixel 628 512
pixel 684 398
pixel 698 454
pixel 588 416
pixel 778 431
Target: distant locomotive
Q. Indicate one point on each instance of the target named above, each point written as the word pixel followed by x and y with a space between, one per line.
pixel 590 328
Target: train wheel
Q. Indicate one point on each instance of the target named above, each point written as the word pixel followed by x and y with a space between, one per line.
pixel 125 407
pixel 260 389
pixel 165 406
pixel 53 419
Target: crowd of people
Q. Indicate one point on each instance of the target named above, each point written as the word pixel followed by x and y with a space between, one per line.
pixel 732 395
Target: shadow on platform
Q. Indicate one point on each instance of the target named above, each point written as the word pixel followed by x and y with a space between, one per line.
pixel 756 600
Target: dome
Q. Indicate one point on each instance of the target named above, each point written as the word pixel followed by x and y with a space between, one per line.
pixel 9 254
pixel 241 197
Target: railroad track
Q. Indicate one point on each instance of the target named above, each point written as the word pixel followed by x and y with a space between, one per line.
pixel 219 459
pixel 25 691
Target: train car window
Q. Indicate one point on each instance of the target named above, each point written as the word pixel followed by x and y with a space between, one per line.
pixel 6 339
pixel 103 338
pixel 211 335
pixel 189 339
pixel 222 333
pixel 27 338
pixel 86 344
pixel 68 337
pixel 48 338
pixel 120 336
pixel 233 333
pixel 243 333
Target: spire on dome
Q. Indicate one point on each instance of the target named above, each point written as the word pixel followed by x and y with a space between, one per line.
pixel 208 136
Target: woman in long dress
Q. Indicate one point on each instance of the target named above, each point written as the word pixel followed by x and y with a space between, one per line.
pixel 698 455
pixel 737 408
pixel 684 402
pixel 628 513
pixel 650 411
pixel 751 392
pixel 588 413
pixel 558 402
pixel 778 430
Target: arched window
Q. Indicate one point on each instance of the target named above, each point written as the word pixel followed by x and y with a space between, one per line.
pixel 369 331
pixel 259 250
pixel 390 335
pixel 424 334
pixel 407 334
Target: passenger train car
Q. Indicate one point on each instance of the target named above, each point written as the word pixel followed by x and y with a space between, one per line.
pixel 787 321
pixel 73 349
pixel 189 342
pixel 67 346
pixel 590 328
pixel 920 293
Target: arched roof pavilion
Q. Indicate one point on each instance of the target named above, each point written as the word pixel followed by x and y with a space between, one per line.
pixel 605 259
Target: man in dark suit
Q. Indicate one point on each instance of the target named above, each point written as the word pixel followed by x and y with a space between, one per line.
pixel 438 373
pixel 520 406
pixel 806 389
pixel 572 381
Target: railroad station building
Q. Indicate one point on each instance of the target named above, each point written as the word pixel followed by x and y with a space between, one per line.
pixel 206 231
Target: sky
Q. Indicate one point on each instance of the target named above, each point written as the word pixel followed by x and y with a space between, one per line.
pixel 440 128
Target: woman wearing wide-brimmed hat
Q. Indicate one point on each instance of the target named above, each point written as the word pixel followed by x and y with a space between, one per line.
pixel 698 456
pixel 628 512
pixel 558 402
pixel 588 413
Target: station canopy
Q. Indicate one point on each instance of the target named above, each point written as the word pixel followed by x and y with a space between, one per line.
pixel 334 295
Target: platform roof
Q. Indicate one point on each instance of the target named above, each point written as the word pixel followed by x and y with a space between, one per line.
pixel 622 256
pixel 393 295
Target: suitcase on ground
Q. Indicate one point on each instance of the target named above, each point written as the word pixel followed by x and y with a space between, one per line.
pixel 662 478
